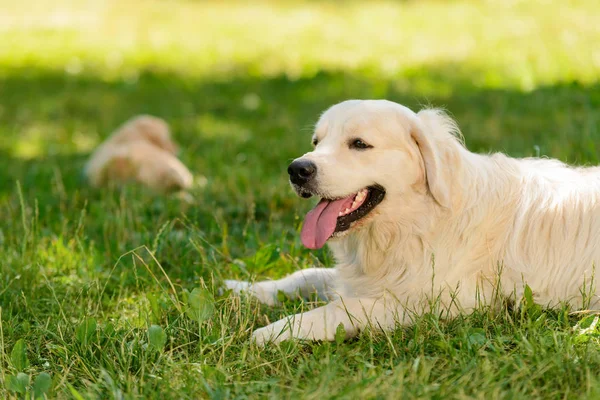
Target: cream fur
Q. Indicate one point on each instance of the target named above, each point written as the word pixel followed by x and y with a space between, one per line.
pixel 456 226
pixel 141 150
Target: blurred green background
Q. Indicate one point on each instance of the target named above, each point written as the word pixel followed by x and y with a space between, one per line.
pixel 241 85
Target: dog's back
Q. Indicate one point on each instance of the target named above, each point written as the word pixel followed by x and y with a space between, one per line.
pixel 554 241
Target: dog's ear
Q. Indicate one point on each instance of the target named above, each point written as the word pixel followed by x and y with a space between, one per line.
pixel 437 136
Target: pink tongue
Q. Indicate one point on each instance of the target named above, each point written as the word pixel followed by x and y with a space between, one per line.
pixel 320 222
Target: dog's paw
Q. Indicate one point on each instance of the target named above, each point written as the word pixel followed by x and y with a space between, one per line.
pixel 273 333
pixel 307 326
pixel 262 291
pixel 236 287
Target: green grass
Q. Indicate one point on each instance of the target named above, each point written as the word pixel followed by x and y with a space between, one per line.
pixel 85 273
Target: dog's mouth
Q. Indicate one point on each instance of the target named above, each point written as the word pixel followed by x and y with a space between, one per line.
pixel 333 216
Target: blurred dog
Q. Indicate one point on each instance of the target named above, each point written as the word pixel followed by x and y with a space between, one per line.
pixel 415 220
pixel 141 150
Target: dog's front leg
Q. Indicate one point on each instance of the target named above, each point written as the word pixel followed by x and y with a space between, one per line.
pixel 321 323
pixel 301 283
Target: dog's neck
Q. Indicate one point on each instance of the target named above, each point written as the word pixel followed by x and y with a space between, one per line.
pixel 382 250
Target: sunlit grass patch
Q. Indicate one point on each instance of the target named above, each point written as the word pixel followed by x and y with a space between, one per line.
pixel 519 43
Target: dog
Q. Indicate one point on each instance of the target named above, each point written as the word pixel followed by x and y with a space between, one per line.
pixel 411 215
pixel 141 150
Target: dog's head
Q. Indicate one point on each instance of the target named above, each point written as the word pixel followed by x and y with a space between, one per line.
pixel 368 156
pixel 149 129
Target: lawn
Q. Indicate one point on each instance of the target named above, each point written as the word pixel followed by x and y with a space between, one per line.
pixel 96 287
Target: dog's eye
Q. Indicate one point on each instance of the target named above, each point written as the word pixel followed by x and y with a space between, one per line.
pixel 359 144
pixel 315 142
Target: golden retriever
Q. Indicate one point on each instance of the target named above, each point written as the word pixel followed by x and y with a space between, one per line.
pixel 141 150
pixel 410 215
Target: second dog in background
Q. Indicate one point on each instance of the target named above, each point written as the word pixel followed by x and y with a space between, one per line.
pixel 142 151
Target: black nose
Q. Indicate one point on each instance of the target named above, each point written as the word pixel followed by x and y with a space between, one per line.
pixel 302 171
